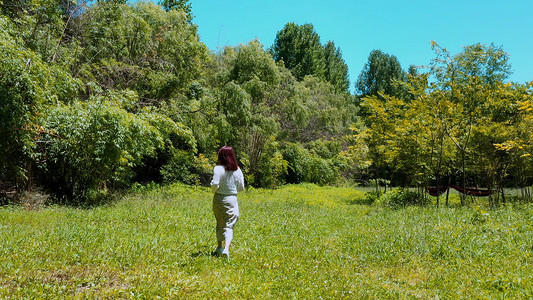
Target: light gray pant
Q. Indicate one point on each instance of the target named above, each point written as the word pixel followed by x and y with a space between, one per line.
pixel 226 209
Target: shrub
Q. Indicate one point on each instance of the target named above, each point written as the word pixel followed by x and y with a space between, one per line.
pixel 175 160
pixel 325 148
pixel 297 162
pixel 372 197
pixel 185 167
pixel 401 197
pixel 94 146
pixel 272 168
pixel 322 171
pixel 306 167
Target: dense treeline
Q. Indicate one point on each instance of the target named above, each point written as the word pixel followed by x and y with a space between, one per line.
pixel 95 96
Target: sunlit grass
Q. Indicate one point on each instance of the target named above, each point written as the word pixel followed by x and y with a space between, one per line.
pixel 299 241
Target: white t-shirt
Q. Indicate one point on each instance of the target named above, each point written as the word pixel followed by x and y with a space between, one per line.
pixel 227 182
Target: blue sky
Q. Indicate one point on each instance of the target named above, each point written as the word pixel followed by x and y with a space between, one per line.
pixel 401 28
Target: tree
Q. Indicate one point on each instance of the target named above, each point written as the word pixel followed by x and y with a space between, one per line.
pixel 518 146
pixel 466 123
pixel 336 69
pixel 316 111
pixel 467 86
pixel 143 48
pixel 258 78
pixel 299 48
pixel 45 26
pixel 378 75
pixel 27 86
pixel 178 4
pixel 95 145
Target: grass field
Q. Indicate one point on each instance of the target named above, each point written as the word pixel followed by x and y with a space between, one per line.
pixel 302 242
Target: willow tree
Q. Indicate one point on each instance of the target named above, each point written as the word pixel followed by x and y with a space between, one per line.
pixel 182 5
pixel 248 89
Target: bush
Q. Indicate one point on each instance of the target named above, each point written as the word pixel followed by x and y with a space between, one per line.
pixel 185 167
pixel 272 168
pixel 175 160
pixel 327 149
pixel 306 167
pixel 401 197
pixel 322 171
pixel 297 161
pixel 94 146
pixel 372 197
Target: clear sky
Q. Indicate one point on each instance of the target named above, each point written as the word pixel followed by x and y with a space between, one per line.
pixel 401 28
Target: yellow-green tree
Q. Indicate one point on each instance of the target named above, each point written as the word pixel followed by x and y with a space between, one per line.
pixel 465 123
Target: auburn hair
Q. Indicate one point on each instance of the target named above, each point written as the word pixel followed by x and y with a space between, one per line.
pixel 226 158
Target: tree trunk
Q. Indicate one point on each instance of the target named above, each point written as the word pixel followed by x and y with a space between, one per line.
pixel 448 191
pixel 463 195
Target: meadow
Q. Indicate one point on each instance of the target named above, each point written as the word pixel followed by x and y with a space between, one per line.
pixel 299 241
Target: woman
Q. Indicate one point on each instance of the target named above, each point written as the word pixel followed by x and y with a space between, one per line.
pixel 227 182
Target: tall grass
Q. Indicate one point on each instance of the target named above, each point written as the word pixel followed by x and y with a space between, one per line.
pixel 300 241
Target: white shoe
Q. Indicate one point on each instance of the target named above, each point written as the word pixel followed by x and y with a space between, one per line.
pixel 225 254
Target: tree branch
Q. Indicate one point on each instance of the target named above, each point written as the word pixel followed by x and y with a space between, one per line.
pixel 34 130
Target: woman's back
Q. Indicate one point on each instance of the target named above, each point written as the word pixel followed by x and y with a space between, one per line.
pixel 227 182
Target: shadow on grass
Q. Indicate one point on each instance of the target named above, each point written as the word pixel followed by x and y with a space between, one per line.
pixel 202 253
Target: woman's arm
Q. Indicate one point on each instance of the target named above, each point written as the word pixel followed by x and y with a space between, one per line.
pixel 218 171
pixel 240 181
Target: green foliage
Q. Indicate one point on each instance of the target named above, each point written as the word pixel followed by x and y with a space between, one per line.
pixel 176 159
pixel 322 171
pixel 95 145
pixel 155 105
pixel 115 31
pixel 272 167
pixel 372 197
pixel 316 111
pixel 460 127
pixel 252 62
pixel 401 197
pixel 336 69
pixel 179 5
pixel 299 48
pixel 247 111
pixel 325 148
pixel 141 47
pixel 306 166
pixel 43 26
pixel 27 86
pixel 379 75
pixel 236 105
pixel 178 167
pixel 297 161
pixel 487 62
pixel 470 85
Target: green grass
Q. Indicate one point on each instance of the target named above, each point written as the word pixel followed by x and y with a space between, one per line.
pixel 299 241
